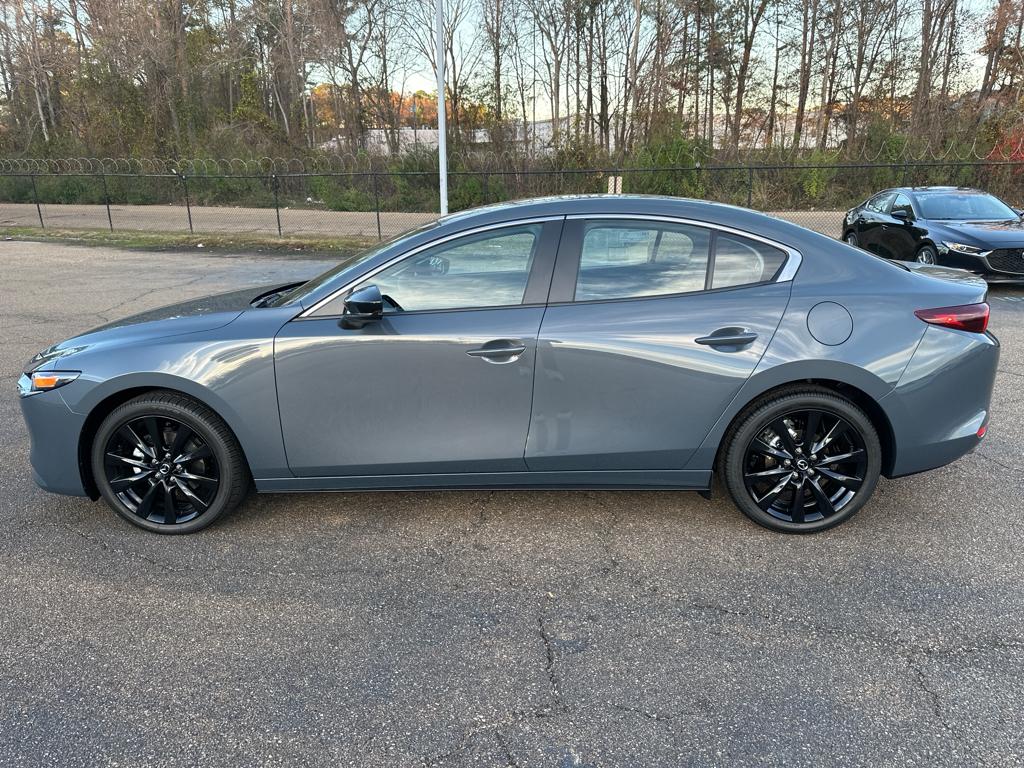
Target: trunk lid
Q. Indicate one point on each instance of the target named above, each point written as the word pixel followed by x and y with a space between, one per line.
pixel 961 286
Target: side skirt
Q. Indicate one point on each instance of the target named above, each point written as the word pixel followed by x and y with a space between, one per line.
pixel 665 479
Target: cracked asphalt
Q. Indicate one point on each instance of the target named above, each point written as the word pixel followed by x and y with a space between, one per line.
pixel 496 629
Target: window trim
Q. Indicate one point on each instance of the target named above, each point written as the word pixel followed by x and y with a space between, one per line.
pixel 567 267
pixel 538 263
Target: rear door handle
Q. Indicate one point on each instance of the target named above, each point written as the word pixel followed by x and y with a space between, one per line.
pixel 728 337
pixel 499 351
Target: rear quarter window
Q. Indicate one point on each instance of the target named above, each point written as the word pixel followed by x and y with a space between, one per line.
pixel 742 261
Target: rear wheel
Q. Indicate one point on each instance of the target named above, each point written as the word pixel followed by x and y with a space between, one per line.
pixel 168 464
pixel 802 461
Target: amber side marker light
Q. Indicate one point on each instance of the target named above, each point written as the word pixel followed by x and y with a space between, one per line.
pixel 47 380
pixel 966 317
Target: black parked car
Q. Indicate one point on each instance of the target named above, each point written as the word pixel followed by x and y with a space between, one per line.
pixel 951 226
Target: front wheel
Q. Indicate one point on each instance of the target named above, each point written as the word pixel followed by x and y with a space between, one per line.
pixel 802 461
pixel 927 255
pixel 851 239
pixel 168 463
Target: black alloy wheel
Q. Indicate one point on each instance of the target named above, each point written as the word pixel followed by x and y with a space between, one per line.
pixel 803 462
pixel 168 463
pixel 805 466
pixel 161 470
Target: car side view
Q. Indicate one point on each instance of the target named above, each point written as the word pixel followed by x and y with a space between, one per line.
pixel 608 342
pixel 952 226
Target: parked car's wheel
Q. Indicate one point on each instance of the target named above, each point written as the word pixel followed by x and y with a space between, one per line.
pixel 168 463
pixel 851 239
pixel 802 461
pixel 927 255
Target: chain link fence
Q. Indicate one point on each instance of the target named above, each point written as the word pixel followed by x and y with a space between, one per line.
pixel 373 205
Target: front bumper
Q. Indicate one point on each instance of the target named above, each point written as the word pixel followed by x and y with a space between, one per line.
pixel 53 431
pixel 981 264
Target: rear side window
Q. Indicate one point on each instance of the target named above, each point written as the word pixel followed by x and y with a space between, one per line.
pixel 742 261
pixel 622 260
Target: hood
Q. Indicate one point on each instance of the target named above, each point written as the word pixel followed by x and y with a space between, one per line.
pixel 986 234
pixel 204 314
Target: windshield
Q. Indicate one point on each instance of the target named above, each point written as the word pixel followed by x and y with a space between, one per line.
pixel 305 289
pixel 963 206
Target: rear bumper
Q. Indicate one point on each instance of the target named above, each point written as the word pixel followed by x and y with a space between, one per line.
pixel 942 400
pixel 53 430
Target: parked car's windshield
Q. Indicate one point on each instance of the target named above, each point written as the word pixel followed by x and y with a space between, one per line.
pixel 963 206
pixel 310 286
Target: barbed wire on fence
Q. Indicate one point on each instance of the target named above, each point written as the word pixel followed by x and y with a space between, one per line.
pixel 490 159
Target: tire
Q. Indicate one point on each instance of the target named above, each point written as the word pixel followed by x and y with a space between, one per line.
pixel 850 238
pixel 151 490
pixel 754 463
pixel 927 254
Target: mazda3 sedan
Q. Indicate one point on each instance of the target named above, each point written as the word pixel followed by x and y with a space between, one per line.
pixel 587 342
pixel 951 226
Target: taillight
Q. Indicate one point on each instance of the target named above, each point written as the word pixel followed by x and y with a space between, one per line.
pixel 967 317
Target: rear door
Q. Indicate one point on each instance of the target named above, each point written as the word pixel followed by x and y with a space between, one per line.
pixel 652 327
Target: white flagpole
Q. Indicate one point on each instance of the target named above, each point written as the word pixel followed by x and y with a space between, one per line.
pixel 442 148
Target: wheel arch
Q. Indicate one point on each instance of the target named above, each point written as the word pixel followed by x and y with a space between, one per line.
pixel 863 389
pixel 105 403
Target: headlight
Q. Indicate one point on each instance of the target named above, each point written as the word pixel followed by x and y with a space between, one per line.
pixel 970 250
pixel 44 381
pixel 48 355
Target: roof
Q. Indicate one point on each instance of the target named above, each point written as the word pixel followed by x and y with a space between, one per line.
pixel 700 211
pixel 964 190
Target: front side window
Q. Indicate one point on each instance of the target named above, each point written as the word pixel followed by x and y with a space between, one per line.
pixel 742 261
pixel 902 203
pixel 880 202
pixel 622 260
pixel 488 269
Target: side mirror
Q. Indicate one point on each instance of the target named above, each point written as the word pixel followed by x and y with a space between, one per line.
pixel 364 305
pixel 901 215
pixel 1019 212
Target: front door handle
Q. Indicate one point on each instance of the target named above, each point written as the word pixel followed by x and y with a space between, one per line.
pixel 499 351
pixel 728 337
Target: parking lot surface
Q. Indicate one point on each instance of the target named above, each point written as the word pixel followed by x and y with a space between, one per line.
pixel 496 629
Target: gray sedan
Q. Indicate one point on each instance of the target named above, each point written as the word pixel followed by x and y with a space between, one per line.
pixel 588 342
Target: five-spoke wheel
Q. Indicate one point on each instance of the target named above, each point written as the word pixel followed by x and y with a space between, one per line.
pixel 802 461
pixel 167 463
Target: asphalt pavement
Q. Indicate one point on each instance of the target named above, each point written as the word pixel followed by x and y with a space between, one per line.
pixel 496 629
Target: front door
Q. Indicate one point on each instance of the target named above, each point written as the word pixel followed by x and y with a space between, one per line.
pixel 899 235
pixel 442 383
pixel 647 341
